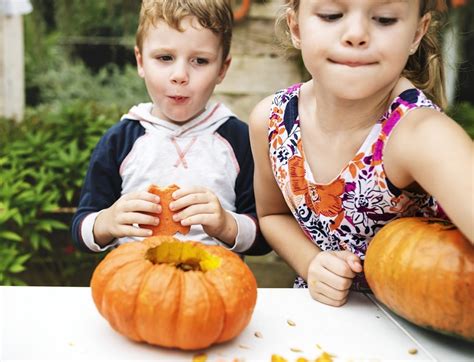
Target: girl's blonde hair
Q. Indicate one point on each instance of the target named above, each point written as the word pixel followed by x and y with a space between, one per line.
pixel 215 15
pixel 424 68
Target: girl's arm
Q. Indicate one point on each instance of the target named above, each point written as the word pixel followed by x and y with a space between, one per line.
pixel 278 225
pixel 429 148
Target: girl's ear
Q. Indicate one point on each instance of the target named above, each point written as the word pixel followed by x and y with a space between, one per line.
pixel 138 57
pixel 421 30
pixel 293 26
pixel 223 71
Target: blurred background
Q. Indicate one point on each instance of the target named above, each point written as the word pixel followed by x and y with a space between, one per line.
pixel 67 73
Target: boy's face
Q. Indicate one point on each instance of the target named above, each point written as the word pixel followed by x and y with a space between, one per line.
pixel 180 69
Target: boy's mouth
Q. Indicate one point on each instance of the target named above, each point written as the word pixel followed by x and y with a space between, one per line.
pixel 178 99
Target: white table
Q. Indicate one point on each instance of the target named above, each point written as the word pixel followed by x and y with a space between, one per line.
pixel 62 323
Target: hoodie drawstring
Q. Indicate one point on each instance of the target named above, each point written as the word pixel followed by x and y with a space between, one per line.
pixel 182 154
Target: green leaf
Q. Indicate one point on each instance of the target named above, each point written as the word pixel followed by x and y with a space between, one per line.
pixel 10 235
pixel 16 268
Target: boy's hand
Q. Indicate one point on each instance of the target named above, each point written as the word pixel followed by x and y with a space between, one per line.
pixel 117 221
pixel 199 206
pixel 330 276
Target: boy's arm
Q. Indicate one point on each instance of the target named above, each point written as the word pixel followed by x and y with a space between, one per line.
pixel 249 240
pixel 103 184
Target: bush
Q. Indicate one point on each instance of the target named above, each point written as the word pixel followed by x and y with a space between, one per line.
pixel 463 113
pixel 43 161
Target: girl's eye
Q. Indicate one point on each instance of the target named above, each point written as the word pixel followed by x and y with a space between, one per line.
pixel 385 21
pixel 330 17
pixel 201 61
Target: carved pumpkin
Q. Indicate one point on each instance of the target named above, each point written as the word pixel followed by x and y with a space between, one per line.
pixel 167 225
pixel 174 294
pixel 423 270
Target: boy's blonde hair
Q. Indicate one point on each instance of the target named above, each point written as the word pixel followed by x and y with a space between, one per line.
pixel 215 15
pixel 424 68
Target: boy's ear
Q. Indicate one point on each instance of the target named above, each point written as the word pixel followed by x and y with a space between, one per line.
pixel 293 26
pixel 224 68
pixel 138 57
pixel 421 30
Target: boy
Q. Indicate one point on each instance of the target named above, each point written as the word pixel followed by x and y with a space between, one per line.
pixel 182 52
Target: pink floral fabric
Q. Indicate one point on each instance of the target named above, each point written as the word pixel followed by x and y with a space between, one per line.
pixel 346 213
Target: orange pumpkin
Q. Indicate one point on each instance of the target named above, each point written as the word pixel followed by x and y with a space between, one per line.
pixel 423 270
pixel 174 294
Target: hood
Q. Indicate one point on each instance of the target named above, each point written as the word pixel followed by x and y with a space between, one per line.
pixel 210 120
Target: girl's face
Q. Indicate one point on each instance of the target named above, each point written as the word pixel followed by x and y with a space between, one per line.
pixel 356 48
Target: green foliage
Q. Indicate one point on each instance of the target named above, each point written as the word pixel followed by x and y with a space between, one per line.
pixel 463 113
pixel 43 161
pixel 53 75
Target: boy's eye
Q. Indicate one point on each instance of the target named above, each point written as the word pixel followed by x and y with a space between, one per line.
pixel 165 58
pixel 330 17
pixel 385 21
pixel 201 61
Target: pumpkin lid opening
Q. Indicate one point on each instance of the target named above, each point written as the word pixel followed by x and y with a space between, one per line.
pixel 184 256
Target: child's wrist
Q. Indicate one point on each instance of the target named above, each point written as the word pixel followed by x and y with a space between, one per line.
pixel 229 230
pixel 102 236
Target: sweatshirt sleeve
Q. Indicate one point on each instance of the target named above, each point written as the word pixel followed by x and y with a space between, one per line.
pixel 103 184
pixel 249 239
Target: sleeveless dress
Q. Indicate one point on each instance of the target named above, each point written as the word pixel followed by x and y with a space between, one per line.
pixel 347 212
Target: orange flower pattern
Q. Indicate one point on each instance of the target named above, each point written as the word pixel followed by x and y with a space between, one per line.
pixel 345 214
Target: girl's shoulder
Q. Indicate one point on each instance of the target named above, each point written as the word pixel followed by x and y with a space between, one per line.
pixel 264 108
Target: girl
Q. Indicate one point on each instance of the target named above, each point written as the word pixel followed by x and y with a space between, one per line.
pixel 361 143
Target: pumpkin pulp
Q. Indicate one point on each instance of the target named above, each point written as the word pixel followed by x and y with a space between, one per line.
pixel 184 256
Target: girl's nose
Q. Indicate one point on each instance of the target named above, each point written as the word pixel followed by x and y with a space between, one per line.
pixel 179 74
pixel 356 33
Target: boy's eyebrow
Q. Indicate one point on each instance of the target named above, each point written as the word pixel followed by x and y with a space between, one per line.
pixel 171 50
pixel 379 1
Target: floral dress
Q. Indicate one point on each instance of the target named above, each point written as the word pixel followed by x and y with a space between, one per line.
pixel 347 212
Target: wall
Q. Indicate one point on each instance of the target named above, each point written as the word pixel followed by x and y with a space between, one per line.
pixel 12 97
pixel 258 70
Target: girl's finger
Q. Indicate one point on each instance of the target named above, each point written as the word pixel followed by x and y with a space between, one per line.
pixel 330 278
pixel 337 265
pixel 327 300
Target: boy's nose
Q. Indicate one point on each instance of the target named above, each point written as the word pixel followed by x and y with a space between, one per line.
pixel 179 74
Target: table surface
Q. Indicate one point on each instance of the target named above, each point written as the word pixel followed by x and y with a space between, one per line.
pixel 62 323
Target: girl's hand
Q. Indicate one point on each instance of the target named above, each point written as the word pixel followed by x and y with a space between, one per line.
pixel 200 206
pixel 133 208
pixel 330 276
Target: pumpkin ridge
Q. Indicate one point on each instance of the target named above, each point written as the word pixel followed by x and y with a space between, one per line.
pixel 137 297
pixel 101 276
pixel 116 304
pixel 224 303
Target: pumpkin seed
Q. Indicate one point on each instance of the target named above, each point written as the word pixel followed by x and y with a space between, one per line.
pixel 258 334
pixel 201 357
pixel 291 323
